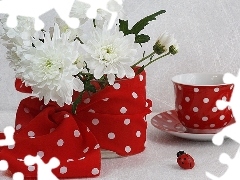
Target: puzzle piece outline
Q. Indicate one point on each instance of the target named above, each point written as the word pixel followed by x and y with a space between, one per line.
pixel 231 131
pixel 9 141
pixel 8 132
pixel 44 170
pixel 35 9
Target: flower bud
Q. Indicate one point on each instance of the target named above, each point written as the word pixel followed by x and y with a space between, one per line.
pixel 165 43
pixel 158 48
pixel 173 49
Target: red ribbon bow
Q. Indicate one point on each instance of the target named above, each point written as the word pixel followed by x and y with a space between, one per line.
pixel 113 119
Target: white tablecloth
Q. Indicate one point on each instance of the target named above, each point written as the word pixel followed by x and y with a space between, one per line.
pixel 158 161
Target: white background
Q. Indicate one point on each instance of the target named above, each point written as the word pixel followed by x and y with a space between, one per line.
pixel 208 35
pixel 207 32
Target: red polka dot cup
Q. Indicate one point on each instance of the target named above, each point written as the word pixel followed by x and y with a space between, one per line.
pixel 195 101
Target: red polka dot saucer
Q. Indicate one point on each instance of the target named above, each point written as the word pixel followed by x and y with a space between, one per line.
pixel 168 122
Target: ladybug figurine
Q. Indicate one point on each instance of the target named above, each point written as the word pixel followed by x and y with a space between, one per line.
pixel 184 160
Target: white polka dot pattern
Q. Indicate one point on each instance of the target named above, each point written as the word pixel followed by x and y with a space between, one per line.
pixel 195 109
pixel 193 104
pixel 86 150
pixel 51 130
pixel 66 116
pixel 31 134
pixel 19 126
pixel 116 86
pixel 138 133
pixel 63 170
pixel 60 142
pixel 111 135
pixel 127 121
pixel 105 99
pixel 222 117
pixel 216 90
pixel 187 99
pixel 11 146
pixel 212 125
pixel 134 95
pixel 31 168
pixel 97 146
pixel 224 98
pixel 40 154
pixel 205 100
pixel 76 133
pixel 128 149
pixel 123 110
pixel 26 110
pixel 95 171
pixel 86 101
pixel 95 122
pixel 204 118
pixel 196 90
pixel 214 109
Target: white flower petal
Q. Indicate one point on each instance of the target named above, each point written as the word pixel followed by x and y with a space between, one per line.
pixel 98 72
pixel 78 85
pixel 111 78
pixel 129 72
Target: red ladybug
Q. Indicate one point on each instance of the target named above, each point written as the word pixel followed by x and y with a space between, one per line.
pixel 184 160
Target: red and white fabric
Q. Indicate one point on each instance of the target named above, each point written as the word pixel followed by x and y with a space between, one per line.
pixel 111 119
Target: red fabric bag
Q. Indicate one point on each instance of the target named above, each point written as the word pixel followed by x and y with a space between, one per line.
pixel 111 119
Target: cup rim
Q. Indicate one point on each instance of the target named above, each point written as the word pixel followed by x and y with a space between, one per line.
pixel 203 85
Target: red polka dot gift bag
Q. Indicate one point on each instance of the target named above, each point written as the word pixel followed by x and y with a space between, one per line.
pixel 111 119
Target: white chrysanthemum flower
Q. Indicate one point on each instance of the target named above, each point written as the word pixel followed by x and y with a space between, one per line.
pixel 16 40
pixel 164 42
pixel 23 33
pixel 111 53
pixel 49 68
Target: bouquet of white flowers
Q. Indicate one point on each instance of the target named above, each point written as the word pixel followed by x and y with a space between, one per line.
pixel 88 90
pixel 58 61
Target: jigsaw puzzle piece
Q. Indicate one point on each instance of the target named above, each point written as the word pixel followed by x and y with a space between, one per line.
pixel 35 8
pixel 63 9
pixel 12 21
pixel 106 5
pixel 44 170
pixel 3 165
pixel 232 172
pixel 18 176
pixel 8 132
pixel 224 159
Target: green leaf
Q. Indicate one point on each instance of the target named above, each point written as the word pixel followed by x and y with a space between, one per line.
pixel 145 21
pixel 123 26
pixel 89 87
pixel 142 38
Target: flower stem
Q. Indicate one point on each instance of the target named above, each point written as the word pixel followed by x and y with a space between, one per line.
pixel 76 102
pixel 150 62
pixel 144 58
